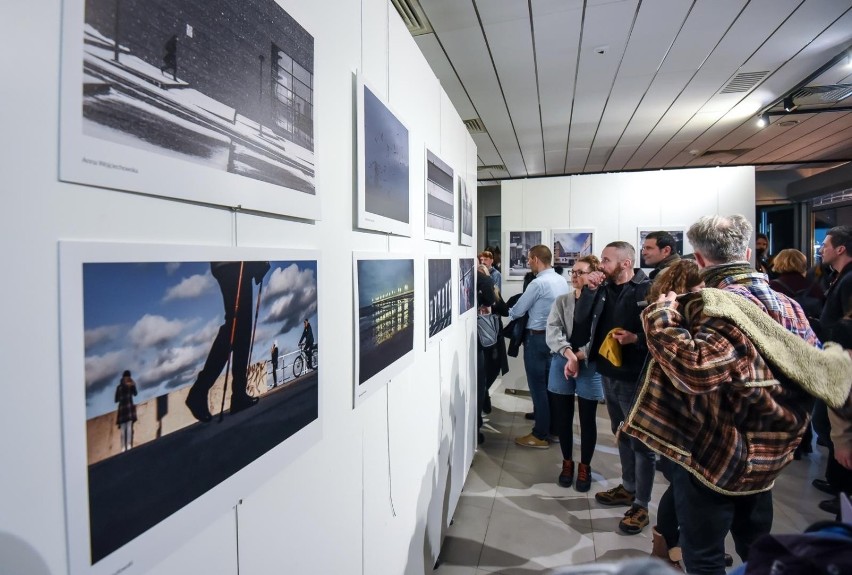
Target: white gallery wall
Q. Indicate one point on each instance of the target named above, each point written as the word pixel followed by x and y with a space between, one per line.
pixel 375 492
pixel 615 205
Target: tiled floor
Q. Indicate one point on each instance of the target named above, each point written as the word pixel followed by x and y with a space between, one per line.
pixel 514 519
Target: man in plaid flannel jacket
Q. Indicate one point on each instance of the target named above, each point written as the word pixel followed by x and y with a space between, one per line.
pixel 727 393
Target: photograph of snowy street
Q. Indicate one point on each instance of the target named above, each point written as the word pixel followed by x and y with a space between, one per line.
pixel 201 82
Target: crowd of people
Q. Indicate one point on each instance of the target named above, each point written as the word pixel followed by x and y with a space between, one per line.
pixel 712 370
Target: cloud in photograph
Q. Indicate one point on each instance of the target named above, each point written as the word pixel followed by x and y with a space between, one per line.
pixel 206 334
pixel 95 336
pixel 191 287
pixel 103 369
pixel 154 330
pixel 293 296
pixel 176 361
pixel 172 267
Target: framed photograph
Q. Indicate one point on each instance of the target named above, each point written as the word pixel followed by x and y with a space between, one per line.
pixel 439 306
pixel 190 100
pixel 171 355
pixel 384 202
pixel 384 319
pixel 569 245
pixel 466 214
pixel 467 285
pixel 515 265
pixel 440 200
pixel 679 233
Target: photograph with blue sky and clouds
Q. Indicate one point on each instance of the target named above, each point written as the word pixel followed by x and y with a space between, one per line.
pixel 158 320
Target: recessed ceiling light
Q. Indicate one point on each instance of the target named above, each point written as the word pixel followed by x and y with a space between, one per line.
pixel 788 123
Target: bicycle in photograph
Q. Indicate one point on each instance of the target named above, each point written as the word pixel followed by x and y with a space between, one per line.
pixel 300 364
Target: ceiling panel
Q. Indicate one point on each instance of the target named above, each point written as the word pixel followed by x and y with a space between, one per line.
pixel 567 86
pixel 657 26
pixel 507 28
pixel 466 48
pixel 700 98
pixel 557 36
pixel 443 70
pixel 605 33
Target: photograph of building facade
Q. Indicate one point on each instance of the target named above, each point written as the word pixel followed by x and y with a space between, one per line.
pixel 203 82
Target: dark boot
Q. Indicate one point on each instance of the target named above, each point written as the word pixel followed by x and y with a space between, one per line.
pixel 566 478
pixel 584 478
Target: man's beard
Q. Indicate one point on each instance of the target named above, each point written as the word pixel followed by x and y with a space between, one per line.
pixel 613 276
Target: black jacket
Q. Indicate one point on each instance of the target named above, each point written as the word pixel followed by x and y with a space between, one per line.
pixel 838 302
pixel 629 305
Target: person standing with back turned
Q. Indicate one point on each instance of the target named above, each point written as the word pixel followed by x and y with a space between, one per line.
pixel 537 300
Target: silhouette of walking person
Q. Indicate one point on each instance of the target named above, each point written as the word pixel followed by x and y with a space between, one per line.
pixel 170 59
pixel 274 364
pixel 234 280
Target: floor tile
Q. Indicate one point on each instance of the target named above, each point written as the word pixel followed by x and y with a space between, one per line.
pixel 513 518
pixel 527 542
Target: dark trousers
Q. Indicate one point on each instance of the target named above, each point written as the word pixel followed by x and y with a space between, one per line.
pixel 228 278
pixel 481 384
pixel 706 516
pixel 836 474
pixel 667 523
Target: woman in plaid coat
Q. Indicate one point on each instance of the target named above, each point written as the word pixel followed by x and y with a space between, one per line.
pixel 126 415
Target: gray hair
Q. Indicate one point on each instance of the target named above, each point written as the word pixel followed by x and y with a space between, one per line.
pixel 627 251
pixel 721 239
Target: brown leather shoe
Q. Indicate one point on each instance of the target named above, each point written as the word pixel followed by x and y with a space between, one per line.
pixel 660 550
pixel 532 441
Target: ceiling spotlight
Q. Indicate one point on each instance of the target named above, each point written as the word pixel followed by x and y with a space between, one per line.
pixel 789 106
pixel 763 120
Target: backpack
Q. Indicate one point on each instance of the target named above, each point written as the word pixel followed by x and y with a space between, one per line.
pixel 488 329
pixel 811 305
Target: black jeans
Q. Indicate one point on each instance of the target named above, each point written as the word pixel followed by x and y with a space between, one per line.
pixel 706 516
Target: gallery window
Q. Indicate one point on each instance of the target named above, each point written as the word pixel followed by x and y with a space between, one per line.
pixel 293 108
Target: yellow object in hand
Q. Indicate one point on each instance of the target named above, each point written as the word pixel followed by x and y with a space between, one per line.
pixel 611 349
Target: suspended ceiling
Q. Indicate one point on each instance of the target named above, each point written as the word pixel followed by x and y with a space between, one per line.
pixel 571 86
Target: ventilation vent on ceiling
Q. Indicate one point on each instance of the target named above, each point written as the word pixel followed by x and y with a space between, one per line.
pixel 492 168
pixel 722 155
pixel 475 126
pixel 743 82
pixel 810 95
pixel 412 14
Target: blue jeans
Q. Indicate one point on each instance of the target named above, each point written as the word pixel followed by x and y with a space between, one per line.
pixel 537 367
pixel 706 517
pixel 637 461
pixel 587 384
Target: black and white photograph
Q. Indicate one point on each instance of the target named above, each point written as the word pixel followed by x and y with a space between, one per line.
pixel 384 202
pixel 384 319
pixel 466 210
pixel 679 233
pixel 569 245
pixel 467 285
pixel 208 101
pixel 519 244
pixel 439 279
pixel 168 362
pixel 440 200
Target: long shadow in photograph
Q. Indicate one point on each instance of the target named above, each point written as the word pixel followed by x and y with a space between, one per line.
pixel 132 492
